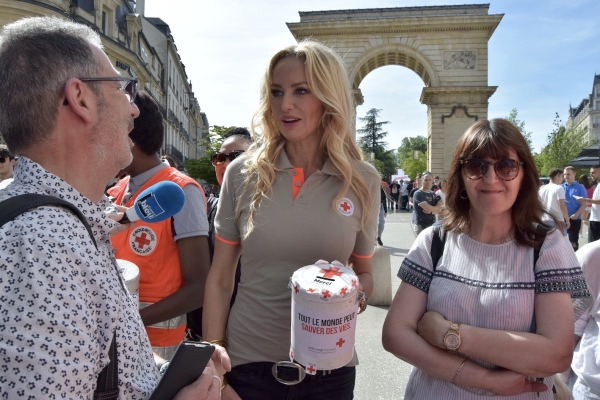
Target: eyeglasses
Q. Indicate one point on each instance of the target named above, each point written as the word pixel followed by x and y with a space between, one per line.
pixel 220 158
pixel 128 84
pixel 505 169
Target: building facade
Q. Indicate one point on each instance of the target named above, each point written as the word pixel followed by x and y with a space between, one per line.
pixel 586 116
pixel 138 49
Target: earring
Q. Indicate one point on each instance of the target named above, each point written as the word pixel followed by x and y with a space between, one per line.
pixel 464 197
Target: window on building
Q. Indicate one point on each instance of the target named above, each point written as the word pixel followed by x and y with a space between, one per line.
pixel 104 22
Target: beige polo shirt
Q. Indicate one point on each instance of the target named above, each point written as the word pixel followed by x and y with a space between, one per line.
pixel 290 232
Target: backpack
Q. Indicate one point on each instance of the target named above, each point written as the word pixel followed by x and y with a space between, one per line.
pixel 108 380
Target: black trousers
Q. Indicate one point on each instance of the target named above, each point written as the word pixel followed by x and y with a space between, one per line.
pixel 573 233
pixel 594 231
pixel 255 381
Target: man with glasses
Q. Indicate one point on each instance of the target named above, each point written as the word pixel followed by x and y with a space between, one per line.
pixel 64 301
pixel 172 254
pixel 7 163
pixel 573 192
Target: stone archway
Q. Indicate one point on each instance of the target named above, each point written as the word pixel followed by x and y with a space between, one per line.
pixel 447 46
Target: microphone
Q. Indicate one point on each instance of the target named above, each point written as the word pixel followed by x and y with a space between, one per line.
pixel 156 203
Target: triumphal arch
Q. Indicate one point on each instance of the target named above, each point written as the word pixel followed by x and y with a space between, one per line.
pixel 447 46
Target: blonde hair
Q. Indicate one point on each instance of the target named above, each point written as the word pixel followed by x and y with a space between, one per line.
pixel 328 81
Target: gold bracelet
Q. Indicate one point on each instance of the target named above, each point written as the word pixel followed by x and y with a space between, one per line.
pixel 458 370
pixel 219 342
pixel 224 383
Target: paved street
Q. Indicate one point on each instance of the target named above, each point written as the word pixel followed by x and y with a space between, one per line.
pixel 380 375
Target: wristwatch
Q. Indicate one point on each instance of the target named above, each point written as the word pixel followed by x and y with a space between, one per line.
pixel 452 338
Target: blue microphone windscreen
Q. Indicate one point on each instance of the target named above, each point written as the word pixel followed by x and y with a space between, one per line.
pixel 159 202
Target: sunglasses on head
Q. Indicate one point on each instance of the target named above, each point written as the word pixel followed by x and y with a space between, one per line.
pixel 128 84
pixel 220 158
pixel 505 168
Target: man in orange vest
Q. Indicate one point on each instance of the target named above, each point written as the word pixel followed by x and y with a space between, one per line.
pixel 172 255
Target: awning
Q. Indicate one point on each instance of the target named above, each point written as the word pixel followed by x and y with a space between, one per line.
pixel 588 157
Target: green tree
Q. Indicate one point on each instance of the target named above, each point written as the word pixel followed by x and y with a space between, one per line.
pixel 371 141
pixel 412 166
pixel 372 134
pixel 520 125
pixel 564 144
pixel 408 145
pixel 202 168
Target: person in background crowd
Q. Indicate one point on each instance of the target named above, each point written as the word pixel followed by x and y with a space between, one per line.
pixel 426 204
pixel 169 160
pixel 574 190
pixel 404 195
pixel 66 112
pixel 236 142
pixel 585 216
pixel 302 195
pixel 586 363
pixel 486 318
pixel 552 197
pixel 172 255
pixel 594 201
pixel 436 184
pixel 7 163
pixel 382 215
pixel 395 189
pixel 416 186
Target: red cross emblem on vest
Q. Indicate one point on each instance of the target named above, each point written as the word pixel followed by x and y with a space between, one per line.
pixel 142 241
pixel 331 272
pixel 340 342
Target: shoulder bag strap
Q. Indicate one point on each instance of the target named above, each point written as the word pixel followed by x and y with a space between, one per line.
pixel 438 242
pixel 108 380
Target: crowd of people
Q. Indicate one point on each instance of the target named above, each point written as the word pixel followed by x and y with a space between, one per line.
pixel 492 292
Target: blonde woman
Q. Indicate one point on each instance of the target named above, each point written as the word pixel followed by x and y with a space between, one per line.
pixel 300 194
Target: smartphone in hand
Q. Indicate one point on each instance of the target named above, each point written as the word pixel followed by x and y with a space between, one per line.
pixel 185 367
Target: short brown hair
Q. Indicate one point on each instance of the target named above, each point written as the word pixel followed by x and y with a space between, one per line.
pixel 495 138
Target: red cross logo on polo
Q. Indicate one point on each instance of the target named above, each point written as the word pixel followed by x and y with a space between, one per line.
pixel 340 342
pixel 325 294
pixel 331 272
pixel 311 370
pixel 142 240
pixel 345 206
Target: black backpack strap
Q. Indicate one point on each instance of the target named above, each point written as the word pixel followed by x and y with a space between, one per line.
pixel 17 205
pixel 438 241
pixel 108 380
pixel 107 385
pixel 540 232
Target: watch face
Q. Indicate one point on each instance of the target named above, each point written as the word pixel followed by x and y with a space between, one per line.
pixel 452 341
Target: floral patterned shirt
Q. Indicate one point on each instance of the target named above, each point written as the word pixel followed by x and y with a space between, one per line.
pixel 62 299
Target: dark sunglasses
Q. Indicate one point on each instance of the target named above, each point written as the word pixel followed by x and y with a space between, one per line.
pixel 220 158
pixel 128 84
pixel 3 159
pixel 505 169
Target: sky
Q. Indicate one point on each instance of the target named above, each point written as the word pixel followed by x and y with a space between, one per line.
pixel 543 57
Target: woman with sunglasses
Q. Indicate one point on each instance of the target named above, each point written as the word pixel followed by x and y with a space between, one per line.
pixel 487 319
pixel 302 194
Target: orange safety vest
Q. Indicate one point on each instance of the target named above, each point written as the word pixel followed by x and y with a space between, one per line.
pixel 151 247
